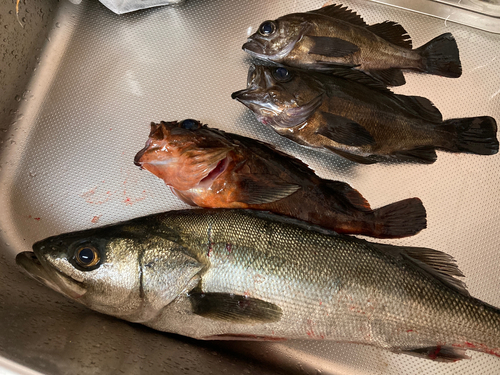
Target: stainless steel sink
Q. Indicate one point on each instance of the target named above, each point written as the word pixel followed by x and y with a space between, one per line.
pixel 80 86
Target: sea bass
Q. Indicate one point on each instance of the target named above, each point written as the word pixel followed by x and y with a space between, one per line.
pixel 358 118
pixel 336 36
pixel 242 274
pixel 210 168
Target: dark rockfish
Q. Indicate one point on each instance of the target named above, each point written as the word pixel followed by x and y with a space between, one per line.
pixel 335 36
pixel 241 274
pixel 356 117
pixel 210 168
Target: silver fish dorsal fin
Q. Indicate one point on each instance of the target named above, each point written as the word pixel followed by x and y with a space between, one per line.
pixel 440 265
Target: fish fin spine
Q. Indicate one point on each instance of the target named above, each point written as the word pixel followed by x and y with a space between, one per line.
pixel 440 56
pixel 342 13
pixel 392 32
pixel 477 135
pixel 400 219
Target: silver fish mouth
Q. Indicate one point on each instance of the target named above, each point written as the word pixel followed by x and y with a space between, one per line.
pixel 31 264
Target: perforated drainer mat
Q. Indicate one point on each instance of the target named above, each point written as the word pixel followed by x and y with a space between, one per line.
pixel 103 78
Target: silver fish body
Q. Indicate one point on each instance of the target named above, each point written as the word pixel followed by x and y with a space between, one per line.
pixel 226 274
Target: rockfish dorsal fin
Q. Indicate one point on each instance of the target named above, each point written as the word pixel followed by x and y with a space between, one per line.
pixel 392 32
pixel 341 13
pixel 234 308
pixel 434 262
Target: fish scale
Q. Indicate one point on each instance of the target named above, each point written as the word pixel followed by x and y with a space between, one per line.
pixel 281 279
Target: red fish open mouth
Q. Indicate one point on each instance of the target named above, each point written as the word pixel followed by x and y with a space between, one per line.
pixel 214 173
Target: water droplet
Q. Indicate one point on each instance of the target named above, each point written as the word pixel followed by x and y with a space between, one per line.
pixel 58 24
pixel 32 173
pixel 11 12
pixel 18 98
pixel 23 19
pixel 12 142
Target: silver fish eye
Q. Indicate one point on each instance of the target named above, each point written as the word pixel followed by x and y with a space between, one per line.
pixel 267 28
pixel 87 256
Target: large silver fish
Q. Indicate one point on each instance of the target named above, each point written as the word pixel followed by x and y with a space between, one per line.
pixel 239 274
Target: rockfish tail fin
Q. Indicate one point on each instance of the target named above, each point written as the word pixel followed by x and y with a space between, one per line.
pixel 477 135
pixel 400 219
pixel 440 56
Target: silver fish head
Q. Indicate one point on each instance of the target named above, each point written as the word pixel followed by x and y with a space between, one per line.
pixel 275 39
pixel 128 271
pixel 279 96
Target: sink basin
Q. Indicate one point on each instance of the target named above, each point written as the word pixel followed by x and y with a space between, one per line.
pixel 80 90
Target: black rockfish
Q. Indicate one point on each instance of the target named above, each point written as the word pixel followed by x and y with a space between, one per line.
pixel 333 36
pixel 354 116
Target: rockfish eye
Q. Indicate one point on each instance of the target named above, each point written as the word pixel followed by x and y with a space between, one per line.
pixel 87 256
pixel 267 28
pixel 190 124
pixel 282 74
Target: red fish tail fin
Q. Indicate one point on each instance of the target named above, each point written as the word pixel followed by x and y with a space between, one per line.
pixel 401 219
pixel 440 56
pixel 476 135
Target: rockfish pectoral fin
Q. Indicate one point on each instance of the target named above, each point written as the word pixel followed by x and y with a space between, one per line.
pixel 329 46
pixel 438 353
pixel 345 131
pixel 234 308
pixel 263 188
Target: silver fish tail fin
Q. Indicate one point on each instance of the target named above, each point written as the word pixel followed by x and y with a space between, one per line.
pixel 477 135
pixel 400 219
pixel 440 56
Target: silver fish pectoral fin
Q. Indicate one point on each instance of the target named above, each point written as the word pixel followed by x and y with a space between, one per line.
pixel 234 308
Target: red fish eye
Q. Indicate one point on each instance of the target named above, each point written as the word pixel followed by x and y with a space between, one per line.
pixel 267 28
pixel 190 124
